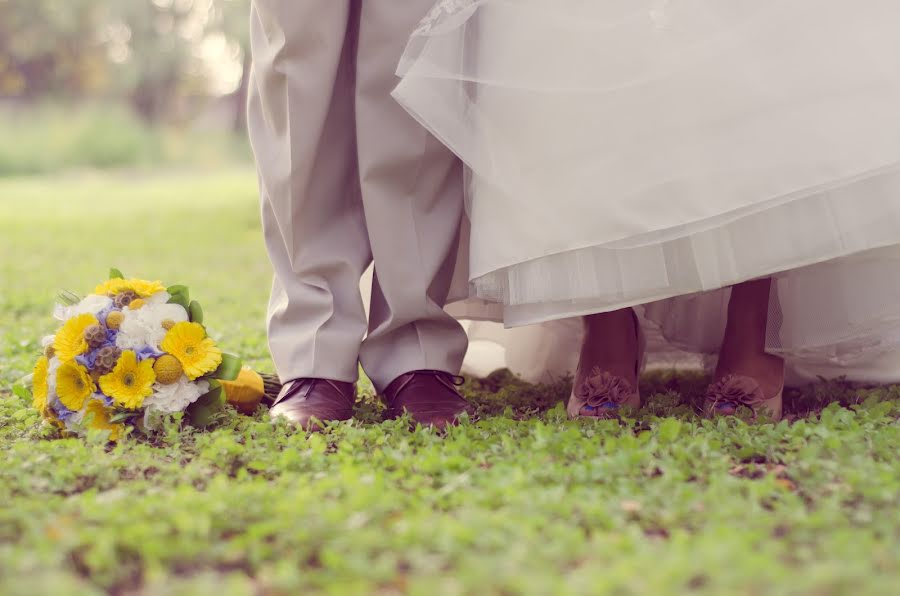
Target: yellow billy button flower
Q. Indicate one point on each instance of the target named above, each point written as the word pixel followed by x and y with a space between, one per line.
pixel 140 287
pixel 97 416
pixel 136 304
pixel 40 388
pixel 74 385
pixel 168 370
pixel 114 319
pixel 246 392
pixel 70 341
pixel 130 382
pixel 197 353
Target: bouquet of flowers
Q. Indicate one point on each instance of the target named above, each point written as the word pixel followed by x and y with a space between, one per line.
pixel 131 349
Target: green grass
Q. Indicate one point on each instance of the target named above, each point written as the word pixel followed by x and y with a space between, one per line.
pixel 49 138
pixel 519 501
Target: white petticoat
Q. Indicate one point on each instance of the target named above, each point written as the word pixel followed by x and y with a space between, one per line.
pixel 627 152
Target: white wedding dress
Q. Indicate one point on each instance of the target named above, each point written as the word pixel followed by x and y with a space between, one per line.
pixel 656 152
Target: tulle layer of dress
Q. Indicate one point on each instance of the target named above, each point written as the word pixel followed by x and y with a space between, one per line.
pixel 655 152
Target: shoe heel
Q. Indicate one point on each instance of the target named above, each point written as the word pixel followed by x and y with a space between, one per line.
pixel 775 406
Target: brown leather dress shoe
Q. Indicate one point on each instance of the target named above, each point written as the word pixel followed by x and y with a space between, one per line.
pixel 430 397
pixel 305 401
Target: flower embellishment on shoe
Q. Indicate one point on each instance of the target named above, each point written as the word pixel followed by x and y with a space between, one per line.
pixel 732 392
pixel 601 395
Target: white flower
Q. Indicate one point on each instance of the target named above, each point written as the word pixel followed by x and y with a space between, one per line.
pixel 47 341
pixel 73 422
pixel 51 378
pixel 143 327
pixel 92 304
pixel 176 397
pixel 158 298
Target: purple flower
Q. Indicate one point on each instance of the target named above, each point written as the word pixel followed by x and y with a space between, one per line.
pixel 87 360
pixel 148 352
pixel 101 316
pixel 62 412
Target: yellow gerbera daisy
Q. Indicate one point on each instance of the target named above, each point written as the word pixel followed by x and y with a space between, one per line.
pixel 140 287
pixel 130 382
pixel 40 388
pixel 70 342
pixel 97 417
pixel 74 385
pixel 197 353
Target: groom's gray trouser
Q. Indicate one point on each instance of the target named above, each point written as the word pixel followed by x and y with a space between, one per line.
pixel 347 176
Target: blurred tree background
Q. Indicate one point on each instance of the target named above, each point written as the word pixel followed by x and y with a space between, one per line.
pixel 132 72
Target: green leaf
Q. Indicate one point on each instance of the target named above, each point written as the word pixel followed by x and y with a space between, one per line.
pixel 179 300
pixel 195 312
pixel 180 295
pixel 229 369
pixel 316 443
pixel 68 298
pixel 115 273
pixel 179 289
pixel 23 414
pixel 204 411
pixel 21 389
pixel 121 416
pixel 669 430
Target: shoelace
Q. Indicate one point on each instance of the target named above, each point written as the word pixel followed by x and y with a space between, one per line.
pixel 291 388
pixel 445 378
pixel 456 380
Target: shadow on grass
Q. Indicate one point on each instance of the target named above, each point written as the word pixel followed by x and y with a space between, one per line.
pixel 666 393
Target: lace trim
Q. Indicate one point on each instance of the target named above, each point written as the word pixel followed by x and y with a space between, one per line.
pixel 445 8
pixel 440 11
